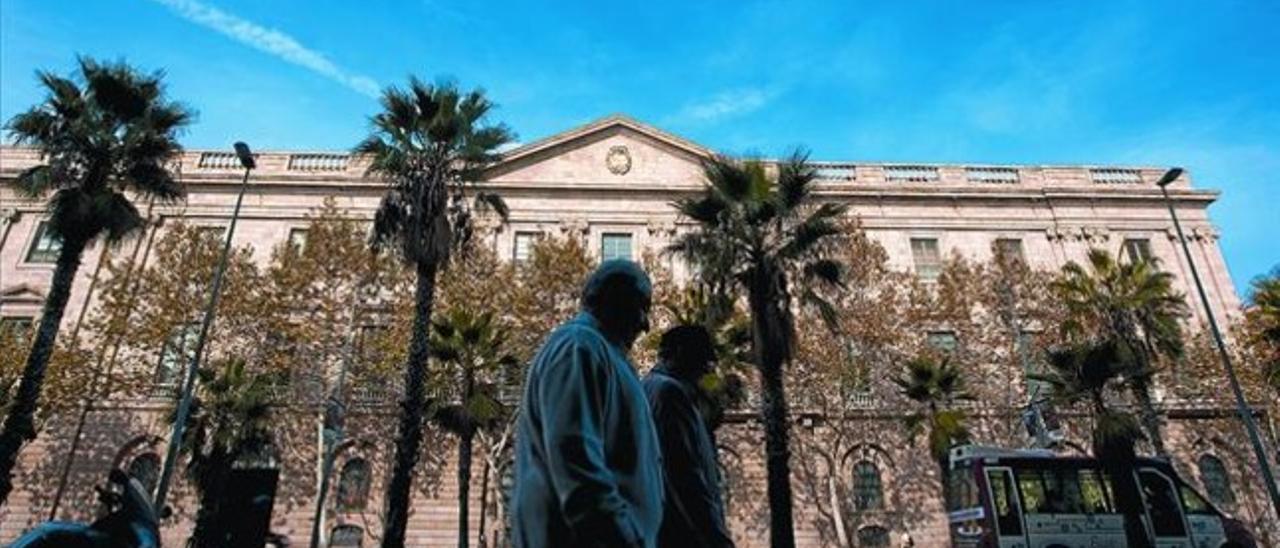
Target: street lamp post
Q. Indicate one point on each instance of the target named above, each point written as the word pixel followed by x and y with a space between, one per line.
pixel 188 383
pixel 1242 406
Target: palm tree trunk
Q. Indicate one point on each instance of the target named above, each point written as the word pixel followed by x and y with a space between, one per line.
pixel 1151 421
pixel 1128 500
pixel 1119 463
pixel 774 412
pixel 19 425
pixel 1140 387
pixel 409 437
pixel 482 533
pixel 777 457
pixel 464 487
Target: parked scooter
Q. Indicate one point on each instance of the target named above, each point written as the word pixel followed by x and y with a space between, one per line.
pixel 130 522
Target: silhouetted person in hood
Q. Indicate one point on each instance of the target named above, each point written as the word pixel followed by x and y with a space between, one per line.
pixel 693 513
pixel 588 467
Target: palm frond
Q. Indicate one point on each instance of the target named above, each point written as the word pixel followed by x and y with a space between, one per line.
pixel 818 227
pixel 491 200
pixel 827 311
pixel 151 179
pixel 795 179
pixel 388 222
pixel 35 126
pixel 705 209
pixel 728 177
pixel 828 272
pixel 120 217
pixel 35 182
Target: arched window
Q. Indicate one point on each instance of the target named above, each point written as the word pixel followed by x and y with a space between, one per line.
pixel 346 536
pixel 868 493
pixel 1217 484
pixel 353 485
pixel 873 535
pixel 146 469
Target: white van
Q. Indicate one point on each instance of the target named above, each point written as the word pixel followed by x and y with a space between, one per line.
pixel 1003 498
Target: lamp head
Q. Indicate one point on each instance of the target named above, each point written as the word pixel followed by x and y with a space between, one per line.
pixel 1169 176
pixel 246 157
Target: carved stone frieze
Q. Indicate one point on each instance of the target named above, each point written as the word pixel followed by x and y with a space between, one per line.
pixel 1205 233
pixel 1094 234
pixel 574 227
pixel 662 229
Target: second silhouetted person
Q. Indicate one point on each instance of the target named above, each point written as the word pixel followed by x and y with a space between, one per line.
pixel 693 513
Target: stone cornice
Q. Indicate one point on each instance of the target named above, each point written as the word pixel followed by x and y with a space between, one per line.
pixel 345 172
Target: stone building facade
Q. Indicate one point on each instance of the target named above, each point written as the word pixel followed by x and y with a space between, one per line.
pixel 610 182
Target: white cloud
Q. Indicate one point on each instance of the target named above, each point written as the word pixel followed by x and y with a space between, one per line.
pixel 270 41
pixel 725 104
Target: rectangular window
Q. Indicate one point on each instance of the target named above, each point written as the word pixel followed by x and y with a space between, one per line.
pixel 615 246
pixel 367 339
pixel 928 260
pixel 18 327
pixel 523 246
pixel 1009 249
pixel 45 246
pixel 298 238
pixel 944 341
pixel 1137 249
pixel 858 378
pixel 176 354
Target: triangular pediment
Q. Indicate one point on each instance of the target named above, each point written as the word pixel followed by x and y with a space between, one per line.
pixel 21 294
pixel 613 151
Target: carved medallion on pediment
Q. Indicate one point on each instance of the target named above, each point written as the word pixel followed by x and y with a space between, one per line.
pixel 618 160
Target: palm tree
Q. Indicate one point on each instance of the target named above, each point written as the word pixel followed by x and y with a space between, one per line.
pixel 936 386
pixel 470 348
pixel 429 144
pixel 229 420
pixel 111 132
pixel 1085 373
pixel 760 234
pixel 1131 303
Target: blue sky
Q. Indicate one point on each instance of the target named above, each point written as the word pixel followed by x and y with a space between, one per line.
pixel 1188 83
